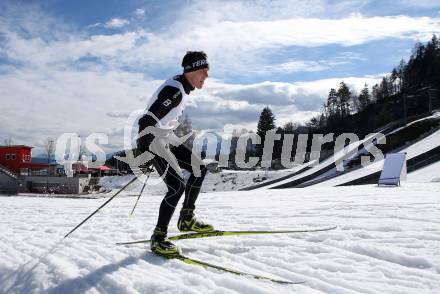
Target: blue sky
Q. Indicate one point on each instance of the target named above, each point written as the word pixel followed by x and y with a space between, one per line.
pixel 84 66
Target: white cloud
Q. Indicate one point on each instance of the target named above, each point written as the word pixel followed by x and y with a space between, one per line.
pixel 116 23
pixel 38 52
pixel 293 65
pixel 98 24
pixel 246 47
pixel 100 101
pixel 242 47
pixel 310 32
pixel 112 23
pixel 352 56
pixel 49 103
pixel 296 66
pixel 240 105
pixel 47 94
pixel 140 13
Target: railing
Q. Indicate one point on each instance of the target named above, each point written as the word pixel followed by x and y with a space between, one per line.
pixel 7 171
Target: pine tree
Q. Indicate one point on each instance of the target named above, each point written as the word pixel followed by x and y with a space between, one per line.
pixel 364 98
pixel 344 96
pixel 386 88
pixel 266 123
pixel 332 104
pixel 400 81
pixel 394 81
pixel 429 57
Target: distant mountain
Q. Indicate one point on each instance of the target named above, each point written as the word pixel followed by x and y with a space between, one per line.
pixel 42 160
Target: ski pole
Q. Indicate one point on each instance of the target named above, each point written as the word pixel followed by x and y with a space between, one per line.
pixel 142 190
pixel 131 181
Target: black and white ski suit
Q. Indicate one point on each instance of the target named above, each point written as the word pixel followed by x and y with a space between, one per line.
pixel 167 104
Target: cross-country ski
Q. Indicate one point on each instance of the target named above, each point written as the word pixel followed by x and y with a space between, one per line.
pixel 204 264
pixel 217 233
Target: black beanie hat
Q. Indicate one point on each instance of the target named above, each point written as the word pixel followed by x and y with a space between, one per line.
pixel 194 60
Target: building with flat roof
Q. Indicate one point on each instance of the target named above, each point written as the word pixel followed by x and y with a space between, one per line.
pixel 18 159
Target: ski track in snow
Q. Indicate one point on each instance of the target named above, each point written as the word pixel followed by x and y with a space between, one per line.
pixel 387 241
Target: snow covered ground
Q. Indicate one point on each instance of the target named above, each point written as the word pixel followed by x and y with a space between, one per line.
pixel 387 241
pixel 226 180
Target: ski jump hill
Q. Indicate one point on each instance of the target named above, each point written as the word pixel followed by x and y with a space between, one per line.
pixel 419 153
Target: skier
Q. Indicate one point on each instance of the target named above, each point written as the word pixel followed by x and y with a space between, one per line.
pixel 163 110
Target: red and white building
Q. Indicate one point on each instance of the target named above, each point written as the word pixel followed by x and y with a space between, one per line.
pixel 17 158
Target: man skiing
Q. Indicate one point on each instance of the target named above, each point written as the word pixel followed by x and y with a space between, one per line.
pixel 163 110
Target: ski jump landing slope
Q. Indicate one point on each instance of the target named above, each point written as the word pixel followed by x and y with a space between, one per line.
pixel 428 145
pixel 312 170
pixel 312 173
pixel 309 170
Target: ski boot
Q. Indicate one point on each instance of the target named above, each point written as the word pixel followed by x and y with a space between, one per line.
pixel 161 246
pixel 188 223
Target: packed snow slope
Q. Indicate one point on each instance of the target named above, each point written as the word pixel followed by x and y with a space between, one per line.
pixel 327 168
pixel 430 173
pixel 387 241
pixel 411 151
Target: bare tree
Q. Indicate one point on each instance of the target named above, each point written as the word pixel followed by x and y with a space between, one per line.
pixel 9 142
pixel 82 151
pixel 49 146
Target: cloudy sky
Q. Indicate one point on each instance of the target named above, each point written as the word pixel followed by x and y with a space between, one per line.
pixel 83 66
